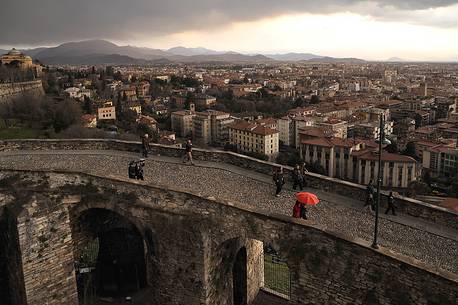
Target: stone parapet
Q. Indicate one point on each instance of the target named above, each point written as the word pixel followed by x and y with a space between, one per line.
pixel 405 205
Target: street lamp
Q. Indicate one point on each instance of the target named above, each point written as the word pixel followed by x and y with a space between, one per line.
pixel 381 140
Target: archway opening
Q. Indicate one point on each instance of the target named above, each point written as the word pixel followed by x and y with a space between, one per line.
pixel 110 255
pixel 239 278
pixel 120 262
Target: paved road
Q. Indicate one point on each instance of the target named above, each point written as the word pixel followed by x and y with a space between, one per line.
pixel 431 244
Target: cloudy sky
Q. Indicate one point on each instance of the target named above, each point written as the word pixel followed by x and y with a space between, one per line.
pixel 378 29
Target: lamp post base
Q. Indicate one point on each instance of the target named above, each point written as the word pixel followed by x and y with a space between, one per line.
pixel 374 246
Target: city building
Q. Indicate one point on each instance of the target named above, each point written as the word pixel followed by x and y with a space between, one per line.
pixel 356 161
pixel 182 122
pixel 337 127
pixel 204 101
pixel 397 171
pixel 441 160
pixel 289 127
pixel 333 154
pixel 211 127
pixel 107 112
pixel 253 138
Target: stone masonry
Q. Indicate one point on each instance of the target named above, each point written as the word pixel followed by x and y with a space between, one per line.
pixel 192 242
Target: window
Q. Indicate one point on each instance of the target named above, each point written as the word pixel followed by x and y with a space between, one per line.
pixel 409 174
pixel 400 176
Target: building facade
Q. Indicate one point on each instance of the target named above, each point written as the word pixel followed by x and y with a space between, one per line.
pixel 182 122
pixel 107 112
pixel 351 160
pixel 249 137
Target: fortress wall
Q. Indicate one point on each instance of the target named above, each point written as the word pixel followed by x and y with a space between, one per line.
pixel 404 205
pixel 11 90
pixel 191 233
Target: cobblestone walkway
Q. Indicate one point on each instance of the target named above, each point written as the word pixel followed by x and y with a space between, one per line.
pixel 430 244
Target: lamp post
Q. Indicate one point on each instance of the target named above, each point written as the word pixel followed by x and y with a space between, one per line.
pixel 381 141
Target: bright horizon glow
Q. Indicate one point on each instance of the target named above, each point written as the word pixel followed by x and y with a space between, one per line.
pixel 339 35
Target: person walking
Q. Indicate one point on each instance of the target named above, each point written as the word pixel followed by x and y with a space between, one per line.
pixel 297 210
pixel 279 181
pixel 391 206
pixel 303 170
pixel 145 145
pixel 139 169
pixel 370 195
pixel 298 179
pixel 188 156
pixel 303 211
pixel 132 170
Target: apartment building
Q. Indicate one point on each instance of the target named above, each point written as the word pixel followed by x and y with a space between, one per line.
pixel 212 127
pixel 370 130
pixel 289 127
pixel 249 137
pixel 441 160
pixel 205 101
pixel 337 127
pixel 182 122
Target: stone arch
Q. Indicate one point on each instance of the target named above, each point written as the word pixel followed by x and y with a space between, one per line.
pixel 117 248
pixel 239 278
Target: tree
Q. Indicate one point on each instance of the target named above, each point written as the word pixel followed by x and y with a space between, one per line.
pixel 66 113
pixel 392 148
pixel 315 99
pixel 410 150
pixel 87 105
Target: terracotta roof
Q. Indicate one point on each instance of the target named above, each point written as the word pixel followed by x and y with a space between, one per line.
pixel 331 142
pixel 371 155
pixel 253 128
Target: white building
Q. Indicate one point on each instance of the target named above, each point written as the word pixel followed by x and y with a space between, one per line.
pixel 249 137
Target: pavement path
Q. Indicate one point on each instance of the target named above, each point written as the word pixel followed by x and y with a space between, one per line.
pixel 429 243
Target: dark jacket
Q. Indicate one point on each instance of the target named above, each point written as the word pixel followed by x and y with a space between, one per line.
pixel 297 175
pixel 279 179
pixel 188 147
pixel 145 142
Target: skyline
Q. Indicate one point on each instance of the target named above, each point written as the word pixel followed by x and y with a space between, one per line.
pixel 373 30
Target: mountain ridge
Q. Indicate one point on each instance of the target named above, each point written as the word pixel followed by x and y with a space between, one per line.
pixel 106 51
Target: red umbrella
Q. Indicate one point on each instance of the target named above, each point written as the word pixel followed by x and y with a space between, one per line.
pixel 307 198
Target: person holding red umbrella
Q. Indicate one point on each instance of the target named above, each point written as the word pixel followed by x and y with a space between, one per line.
pixel 303 199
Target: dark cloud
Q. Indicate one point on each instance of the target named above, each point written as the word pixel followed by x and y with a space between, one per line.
pixel 41 22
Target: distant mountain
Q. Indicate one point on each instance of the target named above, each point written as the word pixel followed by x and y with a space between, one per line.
pixel 92 52
pixel 183 51
pixel 396 59
pixel 294 56
pixel 90 47
pixel 223 58
pixel 97 59
pixel 327 59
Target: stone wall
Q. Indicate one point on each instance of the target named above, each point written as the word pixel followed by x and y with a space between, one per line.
pixel 10 91
pixel 47 256
pixel 404 205
pixel 196 240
